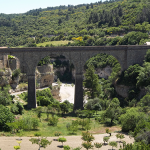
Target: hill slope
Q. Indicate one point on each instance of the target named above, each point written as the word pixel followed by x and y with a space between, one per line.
pixel 66 22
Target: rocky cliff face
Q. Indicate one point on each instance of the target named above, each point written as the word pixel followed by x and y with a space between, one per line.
pixel 122 90
pixel 45 75
pixel 5 76
pixel 104 72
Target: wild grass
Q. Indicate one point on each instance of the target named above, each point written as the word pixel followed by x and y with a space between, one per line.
pixel 54 43
pixel 49 131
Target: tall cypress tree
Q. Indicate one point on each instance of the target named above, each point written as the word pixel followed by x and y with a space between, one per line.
pixel 91 83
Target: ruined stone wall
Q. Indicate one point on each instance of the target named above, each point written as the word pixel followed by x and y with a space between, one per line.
pixel 3 61
pixel 45 68
pixel 45 75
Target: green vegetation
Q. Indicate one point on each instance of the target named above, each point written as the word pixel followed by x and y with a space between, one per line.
pixel 139 146
pixel 100 23
pixel 105 139
pixel 42 142
pixel 44 97
pixel 16 147
pixel 5 117
pixel 53 43
pixel 5 97
pixel 91 83
pixel 113 144
pixel 66 147
pixel 87 145
pixel 98 145
pixel 62 140
pixel 108 23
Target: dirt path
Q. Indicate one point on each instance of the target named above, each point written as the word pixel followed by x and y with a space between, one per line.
pixel 7 143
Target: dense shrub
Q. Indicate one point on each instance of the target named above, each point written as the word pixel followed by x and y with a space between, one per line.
pixel 143 79
pixel 93 104
pixel 30 122
pixel 14 109
pixel 5 97
pixel 16 73
pixel 44 97
pixel 130 119
pixel 5 117
pixel 133 38
pixel 20 107
pixel 26 123
pixel 130 75
pixel 53 121
pixel 24 96
pixel 66 147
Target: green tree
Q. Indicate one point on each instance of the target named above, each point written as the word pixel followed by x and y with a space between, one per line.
pixel 98 145
pixel 87 145
pixel 73 128
pixel 145 101
pixel 39 112
pixel 62 140
pixel 105 139
pixel 131 74
pixel 93 104
pixel 113 144
pixel 5 117
pixel 147 56
pixel 144 75
pixel 136 146
pixel 5 97
pixel 64 108
pixel 130 119
pixel 87 136
pixel 91 83
pixel 114 110
pixel 108 131
pixel 43 142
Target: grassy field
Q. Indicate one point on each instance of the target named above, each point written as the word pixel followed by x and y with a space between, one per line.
pixel 49 131
pixel 55 43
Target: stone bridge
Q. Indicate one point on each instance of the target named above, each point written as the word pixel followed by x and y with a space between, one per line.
pixel 29 58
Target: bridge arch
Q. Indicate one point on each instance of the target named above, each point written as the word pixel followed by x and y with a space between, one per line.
pixel 121 58
pixel 125 54
pixel 34 65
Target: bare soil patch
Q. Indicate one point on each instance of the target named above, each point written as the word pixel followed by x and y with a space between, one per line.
pixel 8 143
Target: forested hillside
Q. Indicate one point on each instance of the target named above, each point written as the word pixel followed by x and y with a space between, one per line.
pixel 92 24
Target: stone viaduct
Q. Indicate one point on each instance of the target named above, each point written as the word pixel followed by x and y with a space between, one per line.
pixel 29 58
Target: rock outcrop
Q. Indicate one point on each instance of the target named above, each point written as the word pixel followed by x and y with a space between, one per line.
pixel 45 75
pixel 104 72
